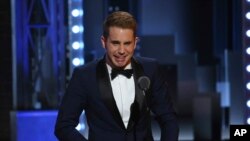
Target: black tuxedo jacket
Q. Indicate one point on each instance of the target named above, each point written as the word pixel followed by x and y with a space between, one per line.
pixel 90 90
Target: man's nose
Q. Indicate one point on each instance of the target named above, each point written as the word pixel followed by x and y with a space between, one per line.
pixel 121 49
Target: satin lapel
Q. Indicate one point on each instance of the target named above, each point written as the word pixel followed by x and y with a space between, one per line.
pixel 137 106
pixel 106 92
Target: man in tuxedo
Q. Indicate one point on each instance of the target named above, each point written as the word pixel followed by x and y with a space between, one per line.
pixel 117 92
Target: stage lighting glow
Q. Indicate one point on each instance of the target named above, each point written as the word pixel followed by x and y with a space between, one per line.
pixel 248 120
pixel 248 68
pixel 76 29
pixel 246 62
pixel 248 33
pixel 248 85
pixel 248 103
pixel 248 50
pixel 76 61
pixel 76 45
pixel 80 127
pixel 75 12
pixel 76 32
pixel 81 45
pixel 81 28
pixel 248 15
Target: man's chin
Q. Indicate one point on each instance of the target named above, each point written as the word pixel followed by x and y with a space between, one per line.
pixel 120 65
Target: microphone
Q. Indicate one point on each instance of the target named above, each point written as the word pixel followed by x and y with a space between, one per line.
pixel 144 83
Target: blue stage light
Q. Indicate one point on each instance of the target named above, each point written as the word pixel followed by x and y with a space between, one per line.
pixel 248 86
pixel 76 45
pixel 76 33
pixel 75 12
pixel 248 50
pixel 248 33
pixel 248 15
pixel 75 29
pixel 248 103
pixel 248 121
pixel 77 61
pixel 246 60
pixel 248 68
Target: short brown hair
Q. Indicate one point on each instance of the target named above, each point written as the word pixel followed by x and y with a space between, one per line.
pixel 119 19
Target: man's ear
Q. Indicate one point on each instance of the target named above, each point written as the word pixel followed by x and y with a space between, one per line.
pixel 103 41
pixel 136 41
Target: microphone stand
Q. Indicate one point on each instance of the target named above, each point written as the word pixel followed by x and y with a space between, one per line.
pixel 135 105
pixel 143 83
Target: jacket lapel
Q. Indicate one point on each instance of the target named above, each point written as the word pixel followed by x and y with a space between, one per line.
pixel 137 106
pixel 106 91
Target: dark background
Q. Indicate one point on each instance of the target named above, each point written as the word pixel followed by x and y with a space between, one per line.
pixel 199 44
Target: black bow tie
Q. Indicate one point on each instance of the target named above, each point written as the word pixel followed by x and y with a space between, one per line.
pixel 127 72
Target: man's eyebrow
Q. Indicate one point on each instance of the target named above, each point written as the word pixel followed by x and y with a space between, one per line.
pixel 115 42
pixel 128 42
pixel 118 42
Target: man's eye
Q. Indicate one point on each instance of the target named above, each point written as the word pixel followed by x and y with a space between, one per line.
pixel 116 43
pixel 127 44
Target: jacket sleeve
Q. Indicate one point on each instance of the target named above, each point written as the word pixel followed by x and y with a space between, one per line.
pixel 163 107
pixel 73 104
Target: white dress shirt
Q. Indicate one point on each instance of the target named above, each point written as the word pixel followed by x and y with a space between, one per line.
pixel 124 93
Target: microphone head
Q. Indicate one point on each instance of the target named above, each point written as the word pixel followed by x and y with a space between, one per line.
pixel 144 83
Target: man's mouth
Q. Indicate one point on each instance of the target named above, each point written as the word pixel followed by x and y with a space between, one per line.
pixel 120 59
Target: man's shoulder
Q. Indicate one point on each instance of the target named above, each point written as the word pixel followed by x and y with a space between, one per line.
pixel 146 61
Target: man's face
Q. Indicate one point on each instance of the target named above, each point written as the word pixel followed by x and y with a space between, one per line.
pixel 120 46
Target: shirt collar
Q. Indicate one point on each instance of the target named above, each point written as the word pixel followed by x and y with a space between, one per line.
pixel 110 68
